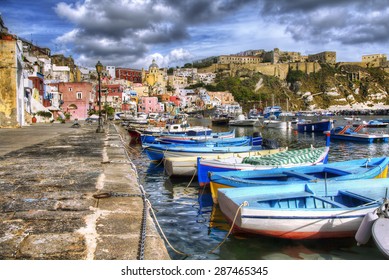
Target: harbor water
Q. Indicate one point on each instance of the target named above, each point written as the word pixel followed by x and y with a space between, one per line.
pixel 194 227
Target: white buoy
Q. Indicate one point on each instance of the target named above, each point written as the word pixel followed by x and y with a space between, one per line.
pixel 364 231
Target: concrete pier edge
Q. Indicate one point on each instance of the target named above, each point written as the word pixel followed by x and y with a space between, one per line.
pixel 49 175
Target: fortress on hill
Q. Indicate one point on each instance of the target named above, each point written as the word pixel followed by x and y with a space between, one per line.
pixel 277 63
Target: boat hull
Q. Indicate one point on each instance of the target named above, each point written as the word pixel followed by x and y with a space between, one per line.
pixel 155 153
pixel 303 211
pixel 336 171
pixel 187 166
pixel 204 167
pixel 319 126
pixel 364 138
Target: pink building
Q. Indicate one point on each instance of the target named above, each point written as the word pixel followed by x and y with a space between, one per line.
pixel 150 105
pixel 76 99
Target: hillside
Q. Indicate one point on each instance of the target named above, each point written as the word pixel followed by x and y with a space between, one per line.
pixel 332 87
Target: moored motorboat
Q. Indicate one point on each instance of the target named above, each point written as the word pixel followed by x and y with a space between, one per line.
pixel 371 123
pixel 241 120
pixel 314 126
pixel 346 133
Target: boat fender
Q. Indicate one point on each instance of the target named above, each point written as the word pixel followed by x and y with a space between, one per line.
pixel 245 203
pixel 364 231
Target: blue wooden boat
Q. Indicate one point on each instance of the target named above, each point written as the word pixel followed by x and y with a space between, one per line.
pixel 189 135
pixel 303 210
pixel 238 141
pixel 157 152
pixel 314 126
pixel 348 134
pixel 285 159
pixel 335 171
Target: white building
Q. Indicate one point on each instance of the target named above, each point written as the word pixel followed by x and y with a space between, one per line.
pixel 112 71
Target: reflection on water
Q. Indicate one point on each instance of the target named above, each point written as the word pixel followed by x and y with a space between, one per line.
pixel 195 226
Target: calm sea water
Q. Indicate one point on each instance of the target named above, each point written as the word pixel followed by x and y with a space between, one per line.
pixel 194 226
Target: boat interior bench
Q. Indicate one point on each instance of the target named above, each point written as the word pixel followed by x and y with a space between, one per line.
pixel 336 170
pixel 299 175
pixel 280 196
pixel 334 203
pixel 357 196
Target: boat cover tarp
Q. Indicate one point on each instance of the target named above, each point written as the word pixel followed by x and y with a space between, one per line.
pixel 310 155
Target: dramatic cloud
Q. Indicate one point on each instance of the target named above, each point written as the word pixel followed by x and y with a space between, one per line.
pixel 131 33
pixel 343 21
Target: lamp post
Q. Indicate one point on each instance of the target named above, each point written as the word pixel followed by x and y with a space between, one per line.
pixel 99 69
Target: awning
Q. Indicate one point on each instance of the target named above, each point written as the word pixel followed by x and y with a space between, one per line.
pixel 53 108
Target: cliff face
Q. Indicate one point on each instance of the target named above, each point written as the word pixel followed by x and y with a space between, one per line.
pixel 346 86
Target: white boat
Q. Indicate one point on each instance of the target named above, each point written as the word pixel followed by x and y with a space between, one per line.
pixel 352 118
pixel 187 166
pixel 274 122
pixel 241 120
pixel 305 210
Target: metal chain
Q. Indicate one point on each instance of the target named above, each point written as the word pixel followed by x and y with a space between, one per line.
pixel 145 206
pixel 141 248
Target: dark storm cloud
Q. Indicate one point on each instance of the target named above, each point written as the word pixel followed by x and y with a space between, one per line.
pixel 344 21
pixel 132 27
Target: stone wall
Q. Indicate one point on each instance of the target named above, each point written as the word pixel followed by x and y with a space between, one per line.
pixel 8 91
pixel 279 70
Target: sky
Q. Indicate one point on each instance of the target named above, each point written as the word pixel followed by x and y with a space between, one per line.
pixel 131 33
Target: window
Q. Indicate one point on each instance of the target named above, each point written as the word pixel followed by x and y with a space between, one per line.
pixel 79 95
pixel 70 89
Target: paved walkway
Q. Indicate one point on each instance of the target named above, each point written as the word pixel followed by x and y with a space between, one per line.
pixel 49 177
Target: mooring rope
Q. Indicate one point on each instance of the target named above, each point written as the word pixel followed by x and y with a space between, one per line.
pixel 245 203
pixel 163 234
pixel 190 182
pixel 143 225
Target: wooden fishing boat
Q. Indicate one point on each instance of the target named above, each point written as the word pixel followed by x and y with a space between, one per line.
pixel 286 159
pixel 366 168
pixel 182 136
pixel 347 134
pixel 157 152
pixel 187 166
pixel 238 141
pixel 314 126
pixel 303 210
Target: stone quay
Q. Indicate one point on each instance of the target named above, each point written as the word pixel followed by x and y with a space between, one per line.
pixel 72 194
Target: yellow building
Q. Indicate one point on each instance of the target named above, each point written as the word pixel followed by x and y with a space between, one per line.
pixel 155 78
pixel 11 81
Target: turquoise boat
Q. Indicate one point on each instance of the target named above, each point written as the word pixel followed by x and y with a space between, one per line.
pixel 157 152
pixel 366 168
pixel 303 210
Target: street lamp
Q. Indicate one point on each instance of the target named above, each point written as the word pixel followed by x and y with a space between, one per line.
pixel 99 69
